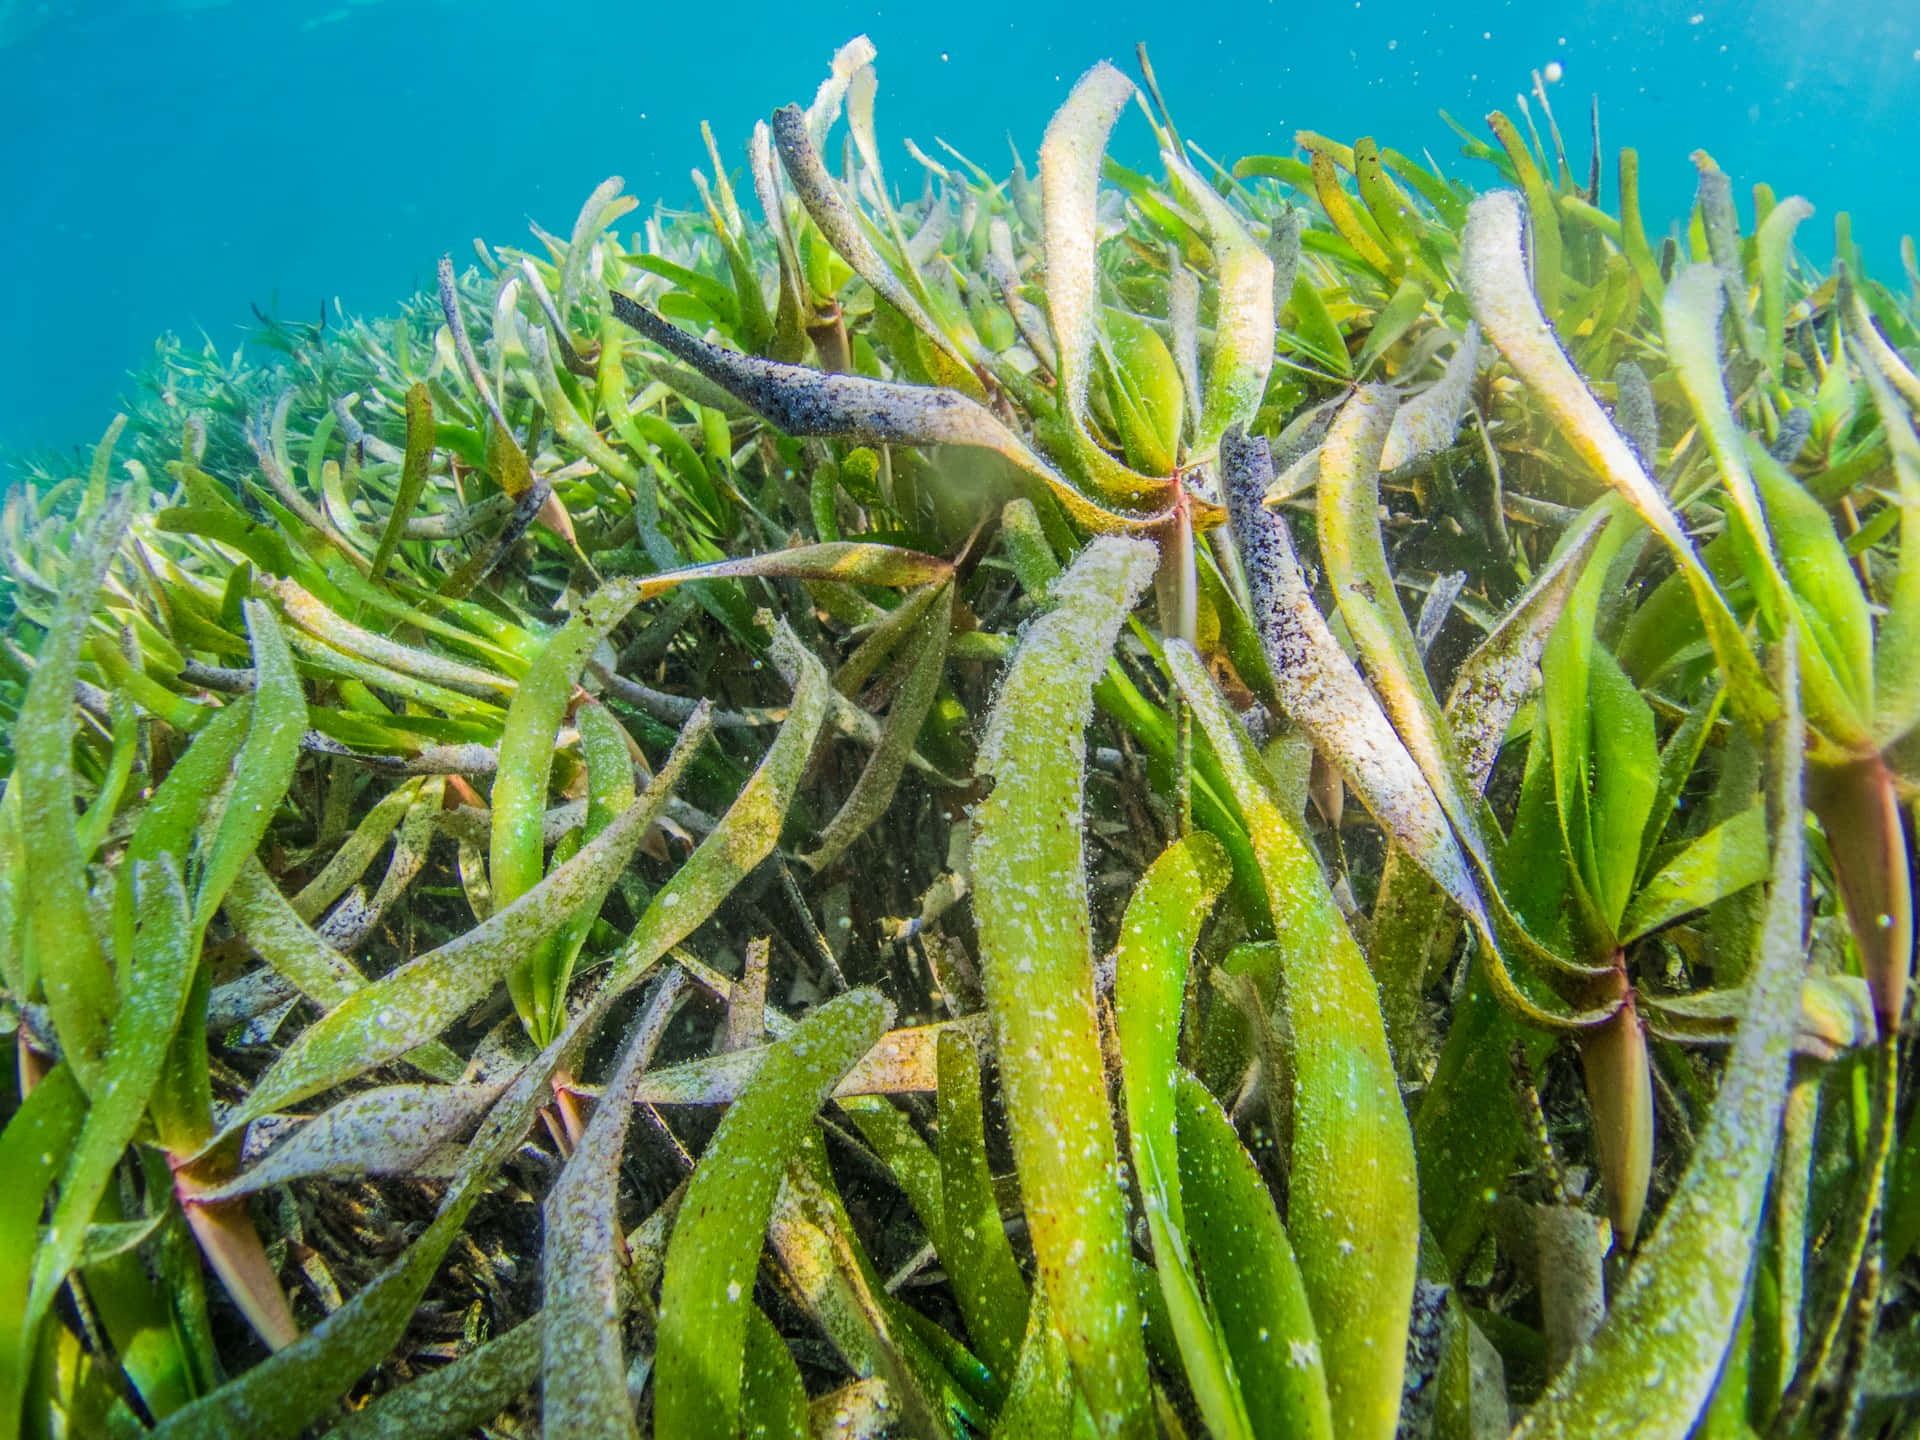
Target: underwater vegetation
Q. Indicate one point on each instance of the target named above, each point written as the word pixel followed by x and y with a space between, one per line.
pixel 1267 801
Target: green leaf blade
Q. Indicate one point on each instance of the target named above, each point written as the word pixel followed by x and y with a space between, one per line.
pixel 1651 1366
pixel 1157 936
pixel 73 968
pixel 1352 1193
pixel 1259 1294
pixel 708 1286
pixel 1031 909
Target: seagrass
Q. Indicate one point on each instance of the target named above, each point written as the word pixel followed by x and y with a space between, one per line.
pixel 736 822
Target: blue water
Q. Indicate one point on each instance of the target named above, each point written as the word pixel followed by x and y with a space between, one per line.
pixel 164 163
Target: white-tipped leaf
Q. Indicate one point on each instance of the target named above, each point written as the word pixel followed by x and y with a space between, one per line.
pixel 1495 276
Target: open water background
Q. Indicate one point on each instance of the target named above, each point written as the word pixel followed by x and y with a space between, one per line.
pixel 165 163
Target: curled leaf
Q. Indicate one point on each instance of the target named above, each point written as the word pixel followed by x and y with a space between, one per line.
pixel 875 412
pixel 1069 183
pixel 842 229
pixel 1242 355
pixel 1503 303
pixel 1070 158
pixel 1323 693
pixel 1427 423
pixel 1774 241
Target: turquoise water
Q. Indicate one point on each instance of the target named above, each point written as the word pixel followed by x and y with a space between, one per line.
pixel 168 163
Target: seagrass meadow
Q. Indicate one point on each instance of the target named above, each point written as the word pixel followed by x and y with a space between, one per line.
pixel 1266 800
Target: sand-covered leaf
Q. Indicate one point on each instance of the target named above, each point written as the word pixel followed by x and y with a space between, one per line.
pixel 408 1130
pixel 584 1371
pixel 811 402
